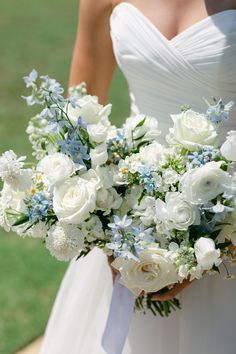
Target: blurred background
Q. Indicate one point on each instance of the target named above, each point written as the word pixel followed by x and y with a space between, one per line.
pixel 33 34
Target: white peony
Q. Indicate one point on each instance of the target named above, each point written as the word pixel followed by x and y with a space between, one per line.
pixel 74 200
pixel 64 241
pixel 151 273
pixel 99 155
pixel 141 127
pixel 192 130
pixel 228 149
pixel 56 168
pixel 206 253
pixel 97 132
pixel 176 212
pixel 108 199
pixel 203 184
pixel 89 110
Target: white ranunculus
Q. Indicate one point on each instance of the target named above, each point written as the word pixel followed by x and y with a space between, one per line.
pixel 99 155
pixel 88 109
pixel 64 241
pixel 206 253
pixel 228 149
pixel 97 132
pixel 146 131
pixel 108 199
pixel 192 130
pixel 74 200
pixel 176 212
pixel 151 273
pixel 56 168
pixel 200 185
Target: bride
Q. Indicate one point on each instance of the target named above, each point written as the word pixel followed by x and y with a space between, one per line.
pixel 170 52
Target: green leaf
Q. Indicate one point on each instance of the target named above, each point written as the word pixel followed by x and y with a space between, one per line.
pixel 140 124
pixel 22 220
pixel 223 245
pixel 215 234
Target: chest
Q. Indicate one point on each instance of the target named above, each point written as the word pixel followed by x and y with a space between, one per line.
pixel 175 16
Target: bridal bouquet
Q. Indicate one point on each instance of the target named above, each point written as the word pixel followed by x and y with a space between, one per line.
pixel 164 213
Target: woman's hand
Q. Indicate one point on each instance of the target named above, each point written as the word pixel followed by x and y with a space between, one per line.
pixel 170 294
pixel 110 259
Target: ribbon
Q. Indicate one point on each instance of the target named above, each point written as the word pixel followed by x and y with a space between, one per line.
pixel 119 319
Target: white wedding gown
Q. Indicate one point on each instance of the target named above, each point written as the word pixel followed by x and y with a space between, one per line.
pixel 162 75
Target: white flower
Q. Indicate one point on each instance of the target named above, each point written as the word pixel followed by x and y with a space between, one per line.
pixel 206 253
pixel 56 168
pixel 93 177
pixel 192 130
pixel 203 184
pixel 176 212
pixel 38 230
pixel 146 211
pixel 151 273
pixel 92 229
pixel 106 175
pixel 74 200
pixel 140 127
pixel 152 155
pixel 99 155
pixel 108 199
pixel 64 241
pixel 89 110
pixel 97 132
pixel 170 176
pixel 12 172
pixel 228 149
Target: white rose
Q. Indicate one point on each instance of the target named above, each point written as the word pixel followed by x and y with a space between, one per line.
pixel 176 212
pixel 93 177
pixel 108 199
pixel 148 130
pixel 99 155
pixel 74 200
pixel 97 132
pixel 206 253
pixel 88 109
pixel 192 130
pixel 56 168
pixel 151 273
pixel 203 184
pixel 64 241
pixel 228 149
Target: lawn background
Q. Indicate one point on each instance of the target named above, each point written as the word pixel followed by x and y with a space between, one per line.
pixel 33 34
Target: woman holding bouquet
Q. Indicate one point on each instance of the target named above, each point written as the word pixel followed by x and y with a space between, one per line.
pixel 169 52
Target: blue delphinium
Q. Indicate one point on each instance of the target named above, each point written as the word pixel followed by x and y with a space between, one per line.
pixel 200 158
pixel 73 147
pixel 38 206
pixel 147 179
pixel 218 112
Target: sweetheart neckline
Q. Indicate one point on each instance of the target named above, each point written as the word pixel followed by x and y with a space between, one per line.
pixel 180 34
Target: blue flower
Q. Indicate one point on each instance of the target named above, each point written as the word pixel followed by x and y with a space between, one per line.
pixel 200 158
pixel 38 207
pixel 31 78
pixel 120 224
pixel 219 112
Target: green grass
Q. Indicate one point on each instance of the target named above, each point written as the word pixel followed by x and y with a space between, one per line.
pixel 33 34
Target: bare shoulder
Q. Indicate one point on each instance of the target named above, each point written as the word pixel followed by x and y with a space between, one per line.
pixel 95 7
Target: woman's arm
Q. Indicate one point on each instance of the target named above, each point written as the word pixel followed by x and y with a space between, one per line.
pixel 93 60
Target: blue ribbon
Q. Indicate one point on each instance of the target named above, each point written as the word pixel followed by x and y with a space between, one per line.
pixel 119 319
